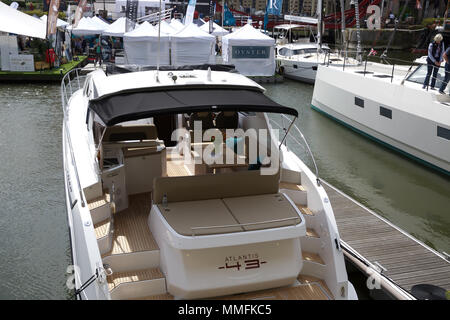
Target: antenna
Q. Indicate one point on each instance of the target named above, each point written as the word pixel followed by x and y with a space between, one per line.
pixel 159 42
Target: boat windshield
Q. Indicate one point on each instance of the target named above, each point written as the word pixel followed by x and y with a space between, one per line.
pixel 418 75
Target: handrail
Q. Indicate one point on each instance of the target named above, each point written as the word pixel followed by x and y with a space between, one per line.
pixel 153 17
pixel 242 224
pixel 65 121
pixel 306 144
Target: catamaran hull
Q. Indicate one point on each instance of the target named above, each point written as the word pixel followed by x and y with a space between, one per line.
pixel 335 95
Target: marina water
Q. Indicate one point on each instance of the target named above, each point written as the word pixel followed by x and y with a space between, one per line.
pixel 35 246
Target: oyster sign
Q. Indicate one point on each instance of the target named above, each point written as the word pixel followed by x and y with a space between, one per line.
pixel 250 52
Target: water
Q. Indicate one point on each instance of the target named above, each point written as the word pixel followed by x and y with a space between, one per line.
pixel 35 249
pixel 411 196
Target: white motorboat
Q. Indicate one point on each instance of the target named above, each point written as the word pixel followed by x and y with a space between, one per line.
pixel 147 223
pixel 387 104
pixel 298 60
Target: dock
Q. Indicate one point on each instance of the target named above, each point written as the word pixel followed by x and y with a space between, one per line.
pixel 46 75
pixel 403 259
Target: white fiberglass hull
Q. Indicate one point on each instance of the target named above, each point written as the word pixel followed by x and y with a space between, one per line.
pixel 400 116
pixel 192 265
pixel 303 68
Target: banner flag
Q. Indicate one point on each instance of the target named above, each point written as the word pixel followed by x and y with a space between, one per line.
pixel 79 12
pixel 190 12
pixel 211 16
pixel 228 17
pixel 52 18
pixel 131 14
pixel 274 7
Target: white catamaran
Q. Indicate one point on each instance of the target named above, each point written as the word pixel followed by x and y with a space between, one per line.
pixel 147 224
pixel 387 104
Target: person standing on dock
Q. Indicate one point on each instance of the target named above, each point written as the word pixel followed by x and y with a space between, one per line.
pixel 434 59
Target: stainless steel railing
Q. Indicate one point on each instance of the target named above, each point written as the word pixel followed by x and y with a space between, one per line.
pixel 66 83
pixel 308 149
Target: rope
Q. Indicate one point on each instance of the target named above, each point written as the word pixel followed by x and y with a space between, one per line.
pixel 87 283
pixel 384 54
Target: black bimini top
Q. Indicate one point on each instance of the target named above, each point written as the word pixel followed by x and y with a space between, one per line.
pixel 127 106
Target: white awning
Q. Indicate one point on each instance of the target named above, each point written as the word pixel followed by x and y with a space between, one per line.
pixel 14 21
pixel 59 23
pixel 290 26
pixel 309 20
pixel 116 29
pixel 217 30
pixel 90 26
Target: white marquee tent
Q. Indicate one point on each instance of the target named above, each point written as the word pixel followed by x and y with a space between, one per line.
pixel 166 28
pixel 176 24
pixel 251 51
pixel 14 21
pixel 59 22
pixel 89 26
pixel 217 30
pixel 116 29
pixel 141 46
pixel 192 46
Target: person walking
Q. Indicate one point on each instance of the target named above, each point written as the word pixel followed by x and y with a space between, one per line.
pixel 434 59
pixel 98 53
pixel 447 71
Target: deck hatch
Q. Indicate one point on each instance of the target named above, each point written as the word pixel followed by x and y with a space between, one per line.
pixel 443 132
pixel 385 112
pixel 359 102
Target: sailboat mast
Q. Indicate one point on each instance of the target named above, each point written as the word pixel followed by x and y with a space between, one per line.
pixel 343 24
pixel 319 23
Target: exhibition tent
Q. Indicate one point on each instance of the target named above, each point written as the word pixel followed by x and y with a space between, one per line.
pixel 17 22
pixel 141 46
pixel 89 26
pixel 250 51
pixel 166 28
pixel 217 30
pixel 192 46
pixel 116 29
pixel 59 22
pixel 176 24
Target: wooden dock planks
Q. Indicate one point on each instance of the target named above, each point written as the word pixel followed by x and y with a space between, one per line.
pixel 407 261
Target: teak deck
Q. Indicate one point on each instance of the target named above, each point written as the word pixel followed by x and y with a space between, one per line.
pixel 408 262
pixel 131 232
pixel 307 288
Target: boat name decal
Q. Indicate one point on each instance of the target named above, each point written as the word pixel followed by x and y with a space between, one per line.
pixel 243 262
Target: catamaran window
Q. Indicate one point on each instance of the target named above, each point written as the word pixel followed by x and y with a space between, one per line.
pixel 418 75
pixel 359 102
pixel 443 133
pixel 385 112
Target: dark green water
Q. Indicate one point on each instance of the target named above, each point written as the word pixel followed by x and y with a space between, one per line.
pixel 34 236
pixel 409 195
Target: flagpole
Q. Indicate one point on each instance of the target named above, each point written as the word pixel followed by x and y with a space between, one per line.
pixel 223 11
